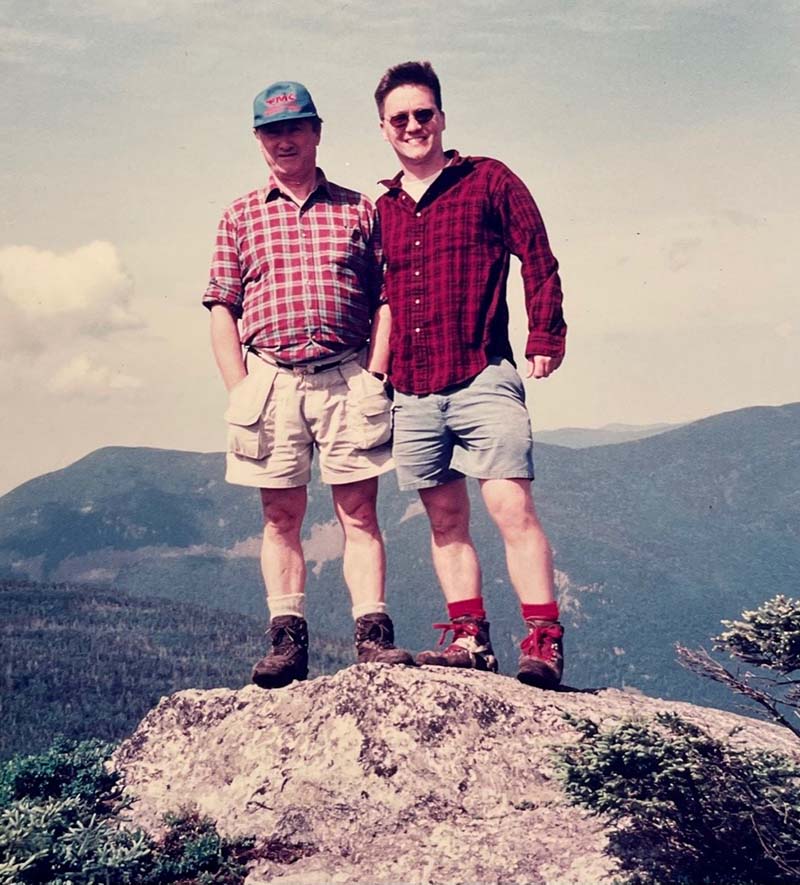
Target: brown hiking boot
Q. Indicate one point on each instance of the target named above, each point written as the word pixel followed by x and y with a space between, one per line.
pixel 542 660
pixel 470 648
pixel 288 659
pixel 375 641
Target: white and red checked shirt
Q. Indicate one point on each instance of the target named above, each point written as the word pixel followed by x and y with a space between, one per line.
pixel 304 280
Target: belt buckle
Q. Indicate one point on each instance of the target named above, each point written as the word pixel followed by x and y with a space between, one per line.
pixel 303 370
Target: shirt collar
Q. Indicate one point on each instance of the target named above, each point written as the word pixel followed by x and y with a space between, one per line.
pixel 453 159
pixel 273 189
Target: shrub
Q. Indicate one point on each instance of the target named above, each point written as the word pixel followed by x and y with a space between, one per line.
pixel 686 808
pixel 59 825
pixel 67 770
pixel 193 851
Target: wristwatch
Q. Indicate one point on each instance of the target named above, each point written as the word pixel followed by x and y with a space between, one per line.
pixel 381 376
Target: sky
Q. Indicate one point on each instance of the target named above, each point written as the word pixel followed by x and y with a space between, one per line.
pixel 659 138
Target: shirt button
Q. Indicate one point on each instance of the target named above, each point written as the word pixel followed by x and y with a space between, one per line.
pixel 417 329
pixel 416 301
pixel 419 215
pixel 416 273
pixel 416 243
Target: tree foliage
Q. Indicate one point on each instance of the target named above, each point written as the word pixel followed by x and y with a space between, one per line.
pixel 769 638
pixel 90 663
pixel 687 808
pixel 60 824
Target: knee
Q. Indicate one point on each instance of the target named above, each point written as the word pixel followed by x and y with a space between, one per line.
pixel 515 519
pixel 448 523
pixel 280 522
pixel 361 516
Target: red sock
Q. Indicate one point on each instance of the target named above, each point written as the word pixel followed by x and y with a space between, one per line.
pixel 472 607
pixel 548 611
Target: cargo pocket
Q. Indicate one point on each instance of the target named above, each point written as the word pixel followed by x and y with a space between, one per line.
pixel 248 434
pixel 376 420
pixel 369 409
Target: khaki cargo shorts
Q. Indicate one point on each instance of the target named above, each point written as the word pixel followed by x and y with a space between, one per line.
pixel 276 419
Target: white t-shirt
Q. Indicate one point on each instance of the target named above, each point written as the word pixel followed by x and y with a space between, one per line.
pixel 416 187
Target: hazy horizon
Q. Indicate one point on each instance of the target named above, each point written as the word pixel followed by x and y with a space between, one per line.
pixel 611 429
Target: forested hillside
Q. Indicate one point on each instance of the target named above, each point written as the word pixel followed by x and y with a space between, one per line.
pixel 86 663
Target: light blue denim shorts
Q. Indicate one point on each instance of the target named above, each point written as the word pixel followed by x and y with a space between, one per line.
pixel 480 428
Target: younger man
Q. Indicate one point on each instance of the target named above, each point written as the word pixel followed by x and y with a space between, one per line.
pixel 449 225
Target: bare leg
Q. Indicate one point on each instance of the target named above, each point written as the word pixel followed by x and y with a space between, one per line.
pixel 364 555
pixel 454 558
pixel 282 562
pixel 528 554
pixel 284 570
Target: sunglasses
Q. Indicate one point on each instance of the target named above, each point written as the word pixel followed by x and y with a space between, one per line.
pixel 422 116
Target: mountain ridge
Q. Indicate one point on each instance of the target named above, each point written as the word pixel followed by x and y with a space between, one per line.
pixel 656 540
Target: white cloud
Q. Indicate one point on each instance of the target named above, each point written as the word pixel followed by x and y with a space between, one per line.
pixel 44 283
pixel 50 298
pixel 80 375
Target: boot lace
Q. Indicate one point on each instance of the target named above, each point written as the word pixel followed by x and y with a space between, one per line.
pixel 378 636
pixel 459 628
pixel 540 641
pixel 286 636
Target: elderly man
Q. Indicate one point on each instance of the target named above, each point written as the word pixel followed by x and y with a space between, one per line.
pixel 449 225
pixel 295 281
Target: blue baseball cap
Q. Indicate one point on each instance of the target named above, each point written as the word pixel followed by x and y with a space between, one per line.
pixel 285 100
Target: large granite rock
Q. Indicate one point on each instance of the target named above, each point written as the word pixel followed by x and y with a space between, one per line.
pixel 391 775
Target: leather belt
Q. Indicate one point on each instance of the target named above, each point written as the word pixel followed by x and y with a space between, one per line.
pixel 312 367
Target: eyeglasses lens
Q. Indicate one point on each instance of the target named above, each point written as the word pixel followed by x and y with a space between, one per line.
pixel 422 116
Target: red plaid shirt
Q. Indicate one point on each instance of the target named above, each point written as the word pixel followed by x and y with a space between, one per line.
pixel 305 281
pixel 446 267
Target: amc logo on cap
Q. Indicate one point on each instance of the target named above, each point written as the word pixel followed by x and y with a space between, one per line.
pixel 286 101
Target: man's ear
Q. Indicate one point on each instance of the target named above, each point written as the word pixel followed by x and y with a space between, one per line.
pixel 260 144
pixel 383 130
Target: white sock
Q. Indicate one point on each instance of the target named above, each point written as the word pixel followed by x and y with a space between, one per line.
pixel 291 604
pixel 368 608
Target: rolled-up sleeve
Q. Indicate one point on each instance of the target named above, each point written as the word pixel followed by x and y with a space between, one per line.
pixel 225 277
